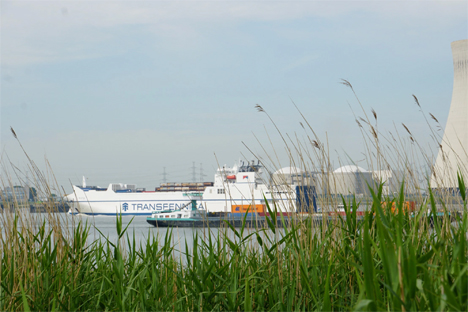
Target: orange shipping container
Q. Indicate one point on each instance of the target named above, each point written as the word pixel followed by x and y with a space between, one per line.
pixel 408 206
pixel 251 208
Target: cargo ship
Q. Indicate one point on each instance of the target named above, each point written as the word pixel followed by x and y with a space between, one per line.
pixel 233 190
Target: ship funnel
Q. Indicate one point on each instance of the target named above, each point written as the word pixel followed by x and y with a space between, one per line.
pixel 84 182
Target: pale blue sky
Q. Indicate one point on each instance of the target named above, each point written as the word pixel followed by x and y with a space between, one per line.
pixel 117 90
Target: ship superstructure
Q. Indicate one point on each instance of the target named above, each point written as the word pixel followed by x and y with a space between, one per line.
pixel 246 184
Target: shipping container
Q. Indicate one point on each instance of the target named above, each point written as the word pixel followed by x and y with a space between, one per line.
pixel 278 214
pixel 343 213
pixel 250 208
pixel 250 216
pixel 408 206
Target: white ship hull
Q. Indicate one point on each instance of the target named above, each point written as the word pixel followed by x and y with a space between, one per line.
pixel 108 202
pixel 232 188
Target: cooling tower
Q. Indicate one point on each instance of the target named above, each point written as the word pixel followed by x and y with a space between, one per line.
pixel 453 150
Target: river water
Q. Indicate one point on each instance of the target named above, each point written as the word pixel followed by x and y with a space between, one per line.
pixel 104 228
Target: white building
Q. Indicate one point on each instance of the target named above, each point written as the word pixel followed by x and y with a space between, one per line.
pixel 351 180
pixel 391 180
pixel 289 175
pixel 453 152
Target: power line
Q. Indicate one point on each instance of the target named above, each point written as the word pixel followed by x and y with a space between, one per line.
pixel 194 176
pixel 201 173
pixel 164 174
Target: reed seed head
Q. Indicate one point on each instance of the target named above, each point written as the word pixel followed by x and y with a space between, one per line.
pixel 407 129
pixel 346 83
pixel 14 133
pixel 416 100
pixel 374 133
pixel 432 116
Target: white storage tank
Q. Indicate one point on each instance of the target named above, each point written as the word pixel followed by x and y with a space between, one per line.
pixel 351 180
pixel 289 175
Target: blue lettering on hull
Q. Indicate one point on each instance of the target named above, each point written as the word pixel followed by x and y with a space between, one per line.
pixel 155 207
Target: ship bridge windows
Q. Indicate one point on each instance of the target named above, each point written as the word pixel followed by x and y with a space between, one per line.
pixel 221 191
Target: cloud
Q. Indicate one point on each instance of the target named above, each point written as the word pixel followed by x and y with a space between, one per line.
pixel 43 32
pixel 301 62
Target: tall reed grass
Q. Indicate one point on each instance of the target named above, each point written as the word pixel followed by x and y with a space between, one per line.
pixel 384 261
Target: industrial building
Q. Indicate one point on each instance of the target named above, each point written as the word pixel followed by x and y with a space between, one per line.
pixel 346 180
pixel 351 180
pixel 290 175
pixel 17 193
